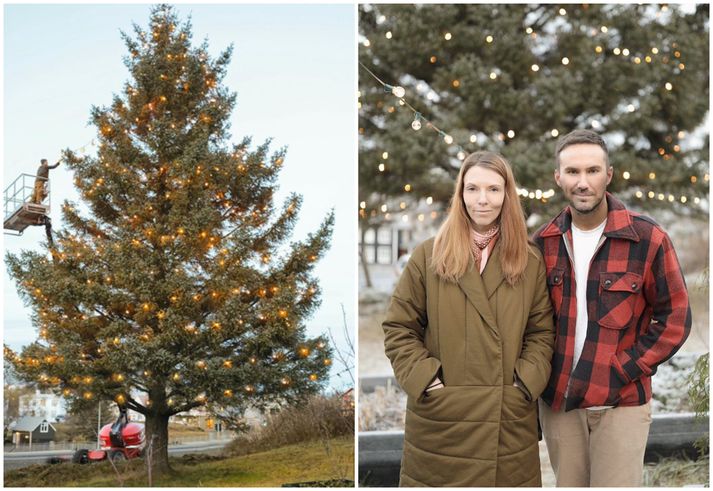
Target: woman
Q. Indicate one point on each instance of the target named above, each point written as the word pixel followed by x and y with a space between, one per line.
pixel 470 336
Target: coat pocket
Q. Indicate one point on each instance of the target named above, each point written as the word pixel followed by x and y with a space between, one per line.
pixel 515 404
pixel 450 434
pixel 618 293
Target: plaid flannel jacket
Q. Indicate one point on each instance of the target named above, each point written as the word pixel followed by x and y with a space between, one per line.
pixel 637 304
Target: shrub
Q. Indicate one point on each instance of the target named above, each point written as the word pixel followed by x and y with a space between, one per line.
pixel 699 393
pixel 320 418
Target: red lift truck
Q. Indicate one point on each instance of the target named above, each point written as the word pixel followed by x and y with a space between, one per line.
pixel 121 440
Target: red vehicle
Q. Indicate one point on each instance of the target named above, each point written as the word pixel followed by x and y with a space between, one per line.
pixel 121 440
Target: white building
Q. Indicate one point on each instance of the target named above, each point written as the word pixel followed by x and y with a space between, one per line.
pixel 45 405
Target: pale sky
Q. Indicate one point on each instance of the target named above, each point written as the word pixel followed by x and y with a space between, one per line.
pixel 293 69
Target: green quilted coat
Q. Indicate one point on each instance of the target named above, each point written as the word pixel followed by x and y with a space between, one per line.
pixel 478 334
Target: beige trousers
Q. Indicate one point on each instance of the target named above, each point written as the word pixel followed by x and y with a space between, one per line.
pixel 599 448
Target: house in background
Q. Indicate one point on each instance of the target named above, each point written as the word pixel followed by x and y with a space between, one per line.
pixel 32 429
pixel 42 405
pixel 385 245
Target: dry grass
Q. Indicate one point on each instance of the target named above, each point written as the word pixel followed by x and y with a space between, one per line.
pixel 383 409
pixel 322 418
pixel 306 462
pixel 677 472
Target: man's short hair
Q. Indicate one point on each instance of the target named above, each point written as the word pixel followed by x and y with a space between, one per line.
pixel 577 137
pixel 43 161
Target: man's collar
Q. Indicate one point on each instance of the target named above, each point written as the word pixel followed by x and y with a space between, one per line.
pixel 619 224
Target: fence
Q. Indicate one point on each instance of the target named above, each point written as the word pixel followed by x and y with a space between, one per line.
pixel 71 446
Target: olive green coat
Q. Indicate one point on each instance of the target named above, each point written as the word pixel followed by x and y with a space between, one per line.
pixel 479 430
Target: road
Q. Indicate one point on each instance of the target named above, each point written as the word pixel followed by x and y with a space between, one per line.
pixel 15 460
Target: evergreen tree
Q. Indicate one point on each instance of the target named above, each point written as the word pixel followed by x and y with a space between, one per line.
pixel 177 290
pixel 511 78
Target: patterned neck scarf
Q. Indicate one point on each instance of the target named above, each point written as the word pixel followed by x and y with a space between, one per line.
pixel 480 243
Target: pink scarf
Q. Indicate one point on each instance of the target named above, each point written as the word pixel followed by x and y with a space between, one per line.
pixel 482 245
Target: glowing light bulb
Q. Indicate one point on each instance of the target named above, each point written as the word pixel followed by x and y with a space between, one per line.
pixel 448 139
pixel 398 91
pixel 416 124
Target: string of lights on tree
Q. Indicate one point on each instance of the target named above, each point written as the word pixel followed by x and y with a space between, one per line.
pixel 537 194
pixel 267 303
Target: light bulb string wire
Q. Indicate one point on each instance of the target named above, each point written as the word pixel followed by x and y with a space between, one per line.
pixel 80 148
pixel 417 114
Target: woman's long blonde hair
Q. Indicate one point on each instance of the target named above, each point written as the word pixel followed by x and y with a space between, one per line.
pixel 452 251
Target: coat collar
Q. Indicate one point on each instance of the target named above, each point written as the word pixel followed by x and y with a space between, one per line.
pixel 479 289
pixel 619 224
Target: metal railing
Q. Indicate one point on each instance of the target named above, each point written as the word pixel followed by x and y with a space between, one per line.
pixel 21 191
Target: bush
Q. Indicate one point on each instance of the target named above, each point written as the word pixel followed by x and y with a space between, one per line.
pixel 699 393
pixel 320 418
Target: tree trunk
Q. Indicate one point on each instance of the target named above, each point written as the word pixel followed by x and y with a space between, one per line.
pixel 156 448
pixel 364 265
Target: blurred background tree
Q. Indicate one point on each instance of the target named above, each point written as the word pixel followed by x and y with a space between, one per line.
pixel 512 78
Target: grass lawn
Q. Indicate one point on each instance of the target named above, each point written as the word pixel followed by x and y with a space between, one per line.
pixel 311 461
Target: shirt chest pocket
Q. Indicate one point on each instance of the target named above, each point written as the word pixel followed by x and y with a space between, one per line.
pixel 555 282
pixel 618 293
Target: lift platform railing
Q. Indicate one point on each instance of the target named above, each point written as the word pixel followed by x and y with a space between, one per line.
pixel 21 191
pixel 25 204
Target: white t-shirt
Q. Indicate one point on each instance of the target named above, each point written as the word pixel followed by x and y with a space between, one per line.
pixel 584 244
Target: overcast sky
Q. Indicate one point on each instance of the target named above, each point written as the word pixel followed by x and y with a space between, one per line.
pixel 293 69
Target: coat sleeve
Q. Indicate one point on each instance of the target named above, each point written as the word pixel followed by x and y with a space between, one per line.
pixel 535 363
pixel 666 292
pixel 404 328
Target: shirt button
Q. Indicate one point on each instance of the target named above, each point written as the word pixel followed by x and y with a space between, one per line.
pixel 634 286
pixel 607 283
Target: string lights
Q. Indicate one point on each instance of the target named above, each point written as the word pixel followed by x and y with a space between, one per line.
pixel 637 58
pixel 119 324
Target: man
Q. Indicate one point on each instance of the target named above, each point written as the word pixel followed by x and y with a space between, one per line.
pixel 43 172
pixel 621 309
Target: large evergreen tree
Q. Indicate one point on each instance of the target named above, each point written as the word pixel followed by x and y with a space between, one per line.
pixel 176 289
pixel 511 78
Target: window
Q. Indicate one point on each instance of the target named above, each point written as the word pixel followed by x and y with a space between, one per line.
pixel 44 427
pixel 377 245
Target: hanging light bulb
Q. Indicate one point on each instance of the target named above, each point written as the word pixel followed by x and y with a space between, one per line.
pixel 398 91
pixel 416 124
pixel 448 139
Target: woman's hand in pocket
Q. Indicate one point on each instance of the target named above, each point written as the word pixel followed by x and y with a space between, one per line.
pixel 434 385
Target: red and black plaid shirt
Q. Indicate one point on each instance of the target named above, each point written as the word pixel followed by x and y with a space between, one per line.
pixel 637 305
